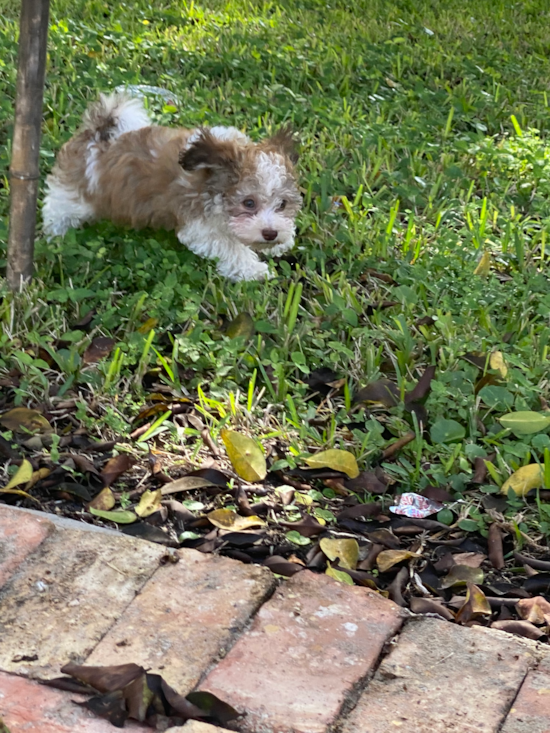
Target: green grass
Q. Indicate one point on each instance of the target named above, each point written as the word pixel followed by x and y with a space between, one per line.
pixel 423 132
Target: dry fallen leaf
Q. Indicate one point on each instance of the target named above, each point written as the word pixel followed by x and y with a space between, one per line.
pixel 129 691
pixel 367 482
pixel 338 460
pixel 484 266
pixel 301 498
pixel 149 503
pixel 521 628
pixel 245 455
pixel 37 476
pixel 279 565
pixel 115 467
pixel 382 392
pixel 104 679
pixel 98 349
pixel 148 325
pixel 228 519
pixel 307 527
pixel 104 501
pixel 496 360
pixel 22 476
pixel 186 483
pixel 471 559
pixel 461 575
pixel 494 543
pixel 345 550
pixel 24 420
pixel 536 610
pixel 388 558
pixel 241 326
pixel 475 606
pixel 429 605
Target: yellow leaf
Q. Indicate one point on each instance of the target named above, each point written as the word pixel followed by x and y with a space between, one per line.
pixel 104 501
pixel 149 503
pixel 524 479
pixel 22 476
pixel 475 605
pixel 245 455
pixel 149 324
pixel 186 483
pixel 484 265
pixel 305 499
pixel 388 558
pixel 228 519
pixel 347 552
pixel 460 575
pixel 23 420
pixel 35 478
pixel 242 325
pixel 338 460
pixel 496 361
pixel 339 575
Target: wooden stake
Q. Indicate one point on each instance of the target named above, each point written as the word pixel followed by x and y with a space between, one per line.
pixel 24 171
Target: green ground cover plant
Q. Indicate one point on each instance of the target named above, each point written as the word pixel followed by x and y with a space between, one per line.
pixel 424 242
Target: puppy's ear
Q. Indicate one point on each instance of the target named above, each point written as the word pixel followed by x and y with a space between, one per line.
pixel 216 156
pixel 283 141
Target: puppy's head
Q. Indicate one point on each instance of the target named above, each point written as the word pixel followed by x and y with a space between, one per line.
pixel 259 194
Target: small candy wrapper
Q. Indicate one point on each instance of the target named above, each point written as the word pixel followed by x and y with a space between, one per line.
pixel 416 506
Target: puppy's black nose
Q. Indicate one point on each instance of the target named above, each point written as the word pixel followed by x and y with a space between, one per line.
pixel 269 234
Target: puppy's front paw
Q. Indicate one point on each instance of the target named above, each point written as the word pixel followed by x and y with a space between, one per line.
pixel 280 249
pixel 254 271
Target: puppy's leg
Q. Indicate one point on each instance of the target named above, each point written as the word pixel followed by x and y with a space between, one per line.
pixel 64 208
pixel 243 264
pixel 235 260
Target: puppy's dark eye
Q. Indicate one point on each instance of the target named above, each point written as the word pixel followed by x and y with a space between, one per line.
pixel 282 207
pixel 249 204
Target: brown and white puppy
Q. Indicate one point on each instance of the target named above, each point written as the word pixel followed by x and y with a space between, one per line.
pixel 225 196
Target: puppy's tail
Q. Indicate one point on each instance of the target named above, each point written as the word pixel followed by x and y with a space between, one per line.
pixel 113 115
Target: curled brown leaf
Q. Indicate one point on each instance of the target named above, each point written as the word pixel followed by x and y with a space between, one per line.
pixel 494 542
pixel 536 610
pixel 429 605
pixel 520 628
pixel 475 606
pixel 98 349
pixel 115 467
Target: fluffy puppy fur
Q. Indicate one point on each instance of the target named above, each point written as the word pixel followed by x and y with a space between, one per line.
pixel 225 196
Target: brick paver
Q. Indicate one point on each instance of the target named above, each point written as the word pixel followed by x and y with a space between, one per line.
pixel 530 712
pixel 194 726
pixel 74 592
pixel 186 617
pixel 20 534
pixel 443 678
pixel 307 649
pixel 29 707
pixel 65 597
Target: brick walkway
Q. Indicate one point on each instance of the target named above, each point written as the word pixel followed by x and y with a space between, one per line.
pixel 307 655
